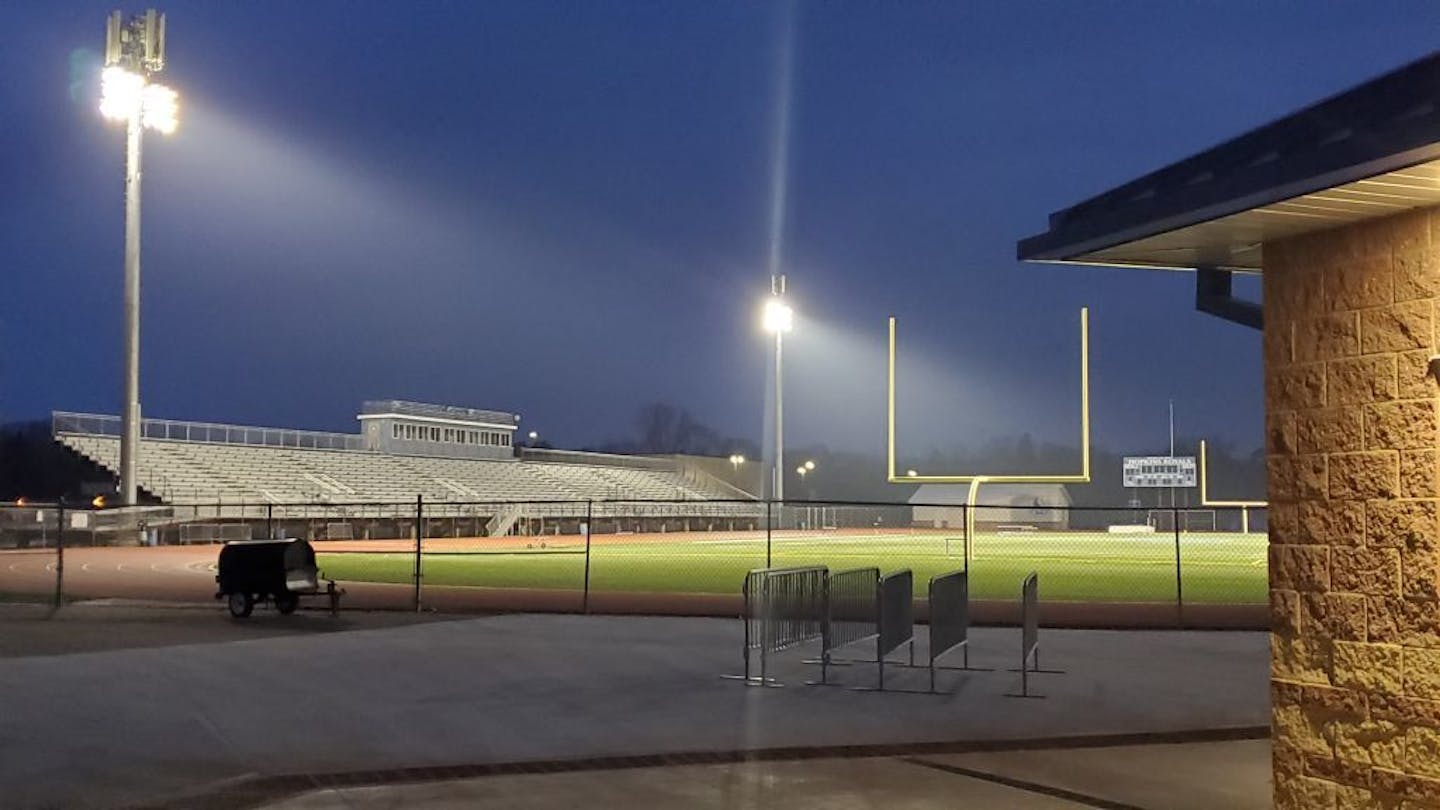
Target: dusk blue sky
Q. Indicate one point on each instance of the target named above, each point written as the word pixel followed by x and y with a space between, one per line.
pixel 562 209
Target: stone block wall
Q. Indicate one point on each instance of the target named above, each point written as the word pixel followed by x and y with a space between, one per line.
pixel 1351 438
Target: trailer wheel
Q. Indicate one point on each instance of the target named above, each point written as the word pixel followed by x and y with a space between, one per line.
pixel 286 603
pixel 240 604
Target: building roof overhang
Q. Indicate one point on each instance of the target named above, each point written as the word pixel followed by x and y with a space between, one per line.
pixel 1371 151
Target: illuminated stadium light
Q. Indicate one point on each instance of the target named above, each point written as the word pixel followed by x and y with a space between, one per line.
pixel 778 317
pixel 160 109
pixel 120 93
pixel 125 95
pixel 134 52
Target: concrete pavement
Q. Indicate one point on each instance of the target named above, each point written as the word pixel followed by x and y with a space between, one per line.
pixel 1193 776
pixel 136 726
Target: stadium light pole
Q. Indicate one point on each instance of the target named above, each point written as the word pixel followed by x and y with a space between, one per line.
pixel 134 51
pixel 778 319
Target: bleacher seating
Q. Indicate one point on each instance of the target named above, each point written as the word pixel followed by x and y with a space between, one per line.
pixel 181 472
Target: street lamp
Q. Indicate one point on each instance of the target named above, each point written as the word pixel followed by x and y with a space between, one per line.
pixel 736 460
pixel 778 319
pixel 804 470
pixel 134 51
pixel 534 436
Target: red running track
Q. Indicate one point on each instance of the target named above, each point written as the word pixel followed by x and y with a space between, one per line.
pixel 187 574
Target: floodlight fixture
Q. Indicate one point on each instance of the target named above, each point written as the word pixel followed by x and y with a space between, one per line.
pixel 160 108
pixel 120 93
pixel 125 95
pixel 778 317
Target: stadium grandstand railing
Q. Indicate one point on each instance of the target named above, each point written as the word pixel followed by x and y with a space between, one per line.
pixel 1102 567
pixel 92 424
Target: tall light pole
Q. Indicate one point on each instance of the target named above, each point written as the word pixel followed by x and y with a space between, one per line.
pixel 778 320
pixel 134 51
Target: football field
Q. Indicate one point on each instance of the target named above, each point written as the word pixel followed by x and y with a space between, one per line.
pixel 1082 566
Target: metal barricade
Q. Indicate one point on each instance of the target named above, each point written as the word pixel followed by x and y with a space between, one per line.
pixel 852 613
pixel 784 607
pixel 1030 635
pixel 949 598
pixel 895 594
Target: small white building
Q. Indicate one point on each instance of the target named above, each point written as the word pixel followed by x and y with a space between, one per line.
pixel 420 429
pixel 1039 506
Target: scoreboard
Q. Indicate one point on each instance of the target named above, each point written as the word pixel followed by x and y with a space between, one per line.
pixel 1159 471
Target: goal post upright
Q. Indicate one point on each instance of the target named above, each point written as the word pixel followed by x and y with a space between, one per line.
pixel 975 480
pixel 1245 506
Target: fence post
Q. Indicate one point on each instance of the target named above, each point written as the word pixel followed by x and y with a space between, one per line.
pixel 1179 587
pixel 589 529
pixel 964 535
pixel 59 552
pixel 769 520
pixel 419 533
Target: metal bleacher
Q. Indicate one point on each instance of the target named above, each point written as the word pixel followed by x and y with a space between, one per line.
pixel 203 473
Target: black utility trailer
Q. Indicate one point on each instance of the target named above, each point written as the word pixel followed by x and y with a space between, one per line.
pixel 282 571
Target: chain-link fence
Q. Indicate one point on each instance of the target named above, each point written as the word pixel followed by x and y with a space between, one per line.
pixel 688 556
pixel 30 552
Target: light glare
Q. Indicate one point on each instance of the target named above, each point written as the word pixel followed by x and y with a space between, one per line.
pixel 161 108
pixel 124 94
pixel 778 316
pixel 120 93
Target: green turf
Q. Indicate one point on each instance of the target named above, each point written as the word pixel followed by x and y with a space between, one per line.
pixel 1079 566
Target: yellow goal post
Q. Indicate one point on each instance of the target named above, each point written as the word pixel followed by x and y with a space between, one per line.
pixel 975 480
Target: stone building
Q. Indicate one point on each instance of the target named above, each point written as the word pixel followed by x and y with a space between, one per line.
pixel 1338 208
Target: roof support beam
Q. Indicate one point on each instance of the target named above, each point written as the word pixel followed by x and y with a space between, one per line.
pixel 1213 296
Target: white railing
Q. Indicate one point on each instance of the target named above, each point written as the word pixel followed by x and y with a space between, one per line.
pixel 92 424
